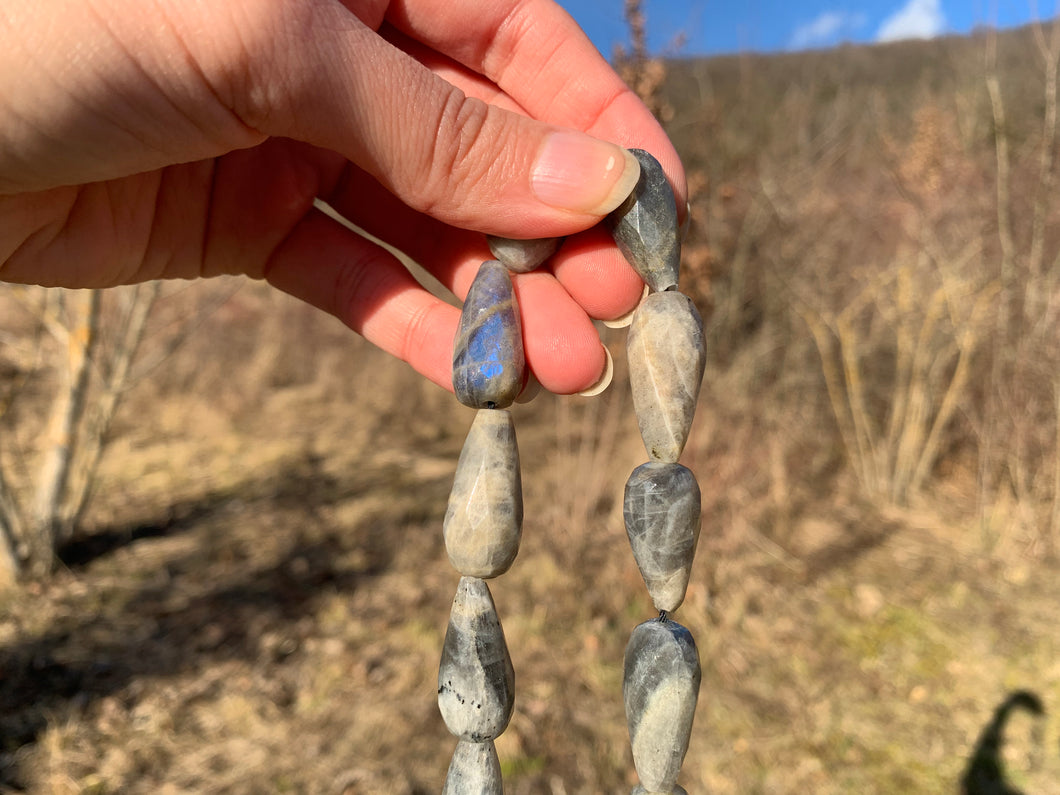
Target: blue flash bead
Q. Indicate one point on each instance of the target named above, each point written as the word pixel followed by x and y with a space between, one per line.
pixel 488 360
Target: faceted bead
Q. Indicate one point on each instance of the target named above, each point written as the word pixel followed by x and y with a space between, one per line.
pixel 474 770
pixel 662 513
pixel 484 521
pixel 644 226
pixel 476 681
pixel 660 688
pixel 666 354
pixel 488 361
pixel 523 256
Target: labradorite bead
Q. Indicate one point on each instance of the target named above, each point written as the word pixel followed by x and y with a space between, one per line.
pixel 488 361
pixel 660 688
pixel 662 513
pixel 474 770
pixel 476 681
pixel 666 354
pixel 483 523
pixel 523 256
pixel 644 226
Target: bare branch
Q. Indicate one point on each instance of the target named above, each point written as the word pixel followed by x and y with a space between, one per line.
pixel 43 530
pixel 1050 52
pixel 1004 168
pixel 97 422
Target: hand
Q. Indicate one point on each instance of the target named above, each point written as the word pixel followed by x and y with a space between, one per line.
pixel 179 138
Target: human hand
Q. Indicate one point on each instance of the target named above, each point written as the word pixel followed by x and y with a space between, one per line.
pixel 179 139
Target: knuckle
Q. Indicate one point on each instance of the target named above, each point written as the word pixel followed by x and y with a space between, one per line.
pixel 455 162
pixel 246 60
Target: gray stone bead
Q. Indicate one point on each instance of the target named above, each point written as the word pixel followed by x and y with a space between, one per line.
pixel 476 681
pixel 662 513
pixel 660 688
pixel 644 226
pixel 484 521
pixel 474 770
pixel 488 361
pixel 639 790
pixel 667 356
pixel 523 256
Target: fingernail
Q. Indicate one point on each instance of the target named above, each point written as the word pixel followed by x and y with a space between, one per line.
pixel 530 391
pixel 687 223
pixel 627 319
pixel 577 172
pixel 605 380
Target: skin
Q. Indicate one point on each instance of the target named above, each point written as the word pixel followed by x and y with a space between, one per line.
pixel 144 139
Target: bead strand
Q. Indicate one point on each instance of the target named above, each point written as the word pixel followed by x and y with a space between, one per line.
pixel 482 530
pixel 484 519
pixel 661 505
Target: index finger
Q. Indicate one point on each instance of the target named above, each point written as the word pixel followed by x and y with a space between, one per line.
pixel 536 53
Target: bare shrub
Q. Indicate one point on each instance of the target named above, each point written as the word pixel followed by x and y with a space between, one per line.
pixel 888 221
pixel 641 71
pixel 86 353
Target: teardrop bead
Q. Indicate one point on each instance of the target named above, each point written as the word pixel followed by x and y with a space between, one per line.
pixel 476 680
pixel 488 360
pixel 662 514
pixel 484 521
pixel 660 688
pixel 644 226
pixel 474 770
pixel 523 256
pixel 667 355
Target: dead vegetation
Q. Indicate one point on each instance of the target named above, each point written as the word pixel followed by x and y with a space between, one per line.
pixel 259 590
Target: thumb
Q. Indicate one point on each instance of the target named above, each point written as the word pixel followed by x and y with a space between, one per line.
pixel 468 163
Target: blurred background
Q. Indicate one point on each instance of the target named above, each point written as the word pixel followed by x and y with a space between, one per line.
pixel 251 590
pixel 703 27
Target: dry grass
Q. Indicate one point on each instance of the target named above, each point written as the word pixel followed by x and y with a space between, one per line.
pixel 261 604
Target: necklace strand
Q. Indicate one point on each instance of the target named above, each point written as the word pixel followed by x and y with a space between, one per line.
pixel 661 503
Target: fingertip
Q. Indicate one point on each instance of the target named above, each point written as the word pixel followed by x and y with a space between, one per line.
pixel 597 276
pixel 562 347
pixel 675 173
pixel 531 390
pixel 629 123
pixel 430 342
pixel 626 320
pixel 604 381
pixel 685 223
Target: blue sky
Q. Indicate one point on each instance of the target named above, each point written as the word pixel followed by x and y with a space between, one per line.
pixel 725 26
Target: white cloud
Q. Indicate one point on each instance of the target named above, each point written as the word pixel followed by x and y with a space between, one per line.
pixel 825 29
pixel 917 19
